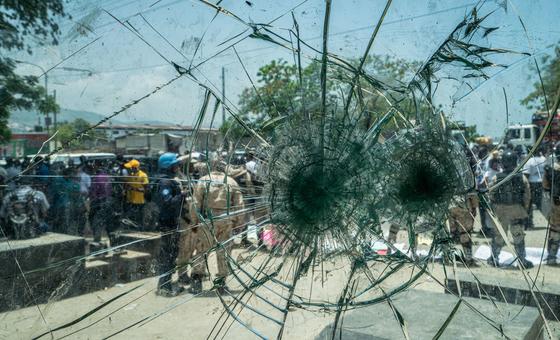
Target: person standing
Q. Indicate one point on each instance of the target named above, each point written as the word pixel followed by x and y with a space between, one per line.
pixel 119 175
pixel 187 237
pixel 66 202
pixel 170 197
pixel 461 221
pixel 510 202
pixel 84 180
pixel 551 185
pixel 243 179
pixel 216 200
pixel 256 167
pixel 136 185
pixel 251 165
pixel 534 170
pixel 101 214
pixel 13 170
pixel 78 201
pixel 43 172
pixel 489 174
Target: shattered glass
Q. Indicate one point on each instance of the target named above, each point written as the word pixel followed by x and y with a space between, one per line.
pixel 347 211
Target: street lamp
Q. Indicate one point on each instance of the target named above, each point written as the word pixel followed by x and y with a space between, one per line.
pixel 46 84
pixel 89 73
pixel 40 67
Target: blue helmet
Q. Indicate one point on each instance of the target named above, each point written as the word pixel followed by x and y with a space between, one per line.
pixel 167 160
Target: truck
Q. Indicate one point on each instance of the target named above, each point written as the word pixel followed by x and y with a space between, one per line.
pixel 527 135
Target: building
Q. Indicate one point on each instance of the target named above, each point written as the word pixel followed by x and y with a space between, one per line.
pixel 200 138
pixel 24 144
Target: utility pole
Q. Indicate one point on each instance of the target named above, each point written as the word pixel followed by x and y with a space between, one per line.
pixel 54 113
pixel 54 121
pixel 223 95
pixel 46 95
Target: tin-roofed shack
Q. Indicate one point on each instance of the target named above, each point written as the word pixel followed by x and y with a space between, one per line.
pixel 150 138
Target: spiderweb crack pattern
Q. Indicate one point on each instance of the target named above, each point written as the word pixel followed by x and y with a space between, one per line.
pixel 330 181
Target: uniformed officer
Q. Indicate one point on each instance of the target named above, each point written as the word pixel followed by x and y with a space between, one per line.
pixel 461 220
pixel 243 179
pixel 510 202
pixel 216 200
pixel 551 184
pixel 194 240
pixel 170 197
pixel 186 238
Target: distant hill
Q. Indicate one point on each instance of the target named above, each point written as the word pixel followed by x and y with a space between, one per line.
pixel 25 120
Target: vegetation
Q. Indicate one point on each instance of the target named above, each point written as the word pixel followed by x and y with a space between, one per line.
pixel 280 91
pixel 18 21
pixel 545 92
pixel 68 130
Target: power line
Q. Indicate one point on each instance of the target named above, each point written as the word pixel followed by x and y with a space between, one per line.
pixel 313 38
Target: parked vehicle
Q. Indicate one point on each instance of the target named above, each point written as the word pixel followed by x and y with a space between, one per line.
pixel 76 158
pixel 527 135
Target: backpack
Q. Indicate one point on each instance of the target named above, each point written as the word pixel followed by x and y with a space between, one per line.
pixel 22 216
pixel 510 192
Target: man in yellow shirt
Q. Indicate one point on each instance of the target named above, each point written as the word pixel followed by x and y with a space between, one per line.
pixel 136 186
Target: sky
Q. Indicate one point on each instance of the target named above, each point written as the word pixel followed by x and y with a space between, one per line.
pixel 101 65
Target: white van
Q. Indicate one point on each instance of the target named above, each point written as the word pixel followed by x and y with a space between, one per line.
pixel 525 135
pixel 76 158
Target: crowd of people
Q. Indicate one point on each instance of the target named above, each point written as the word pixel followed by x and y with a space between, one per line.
pixel 195 205
pixel 75 197
pixel 511 196
pixel 104 196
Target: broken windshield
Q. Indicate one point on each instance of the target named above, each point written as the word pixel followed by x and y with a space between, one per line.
pixel 309 169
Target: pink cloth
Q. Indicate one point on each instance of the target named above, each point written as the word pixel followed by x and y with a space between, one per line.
pixel 270 237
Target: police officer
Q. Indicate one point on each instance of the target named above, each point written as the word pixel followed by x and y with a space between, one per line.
pixel 216 200
pixel 551 184
pixel 187 239
pixel 461 220
pixel 510 202
pixel 170 198
pixel 243 179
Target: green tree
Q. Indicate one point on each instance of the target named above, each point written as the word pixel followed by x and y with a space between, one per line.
pixel 550 73
pixel 67 131
pixel 392 72
pixel 280 90
pixel 46 104
pixel 18 20
pixel 275 92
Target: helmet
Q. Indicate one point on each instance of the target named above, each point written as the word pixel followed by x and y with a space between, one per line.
pixel 509 160
pixel 132 164
pixel 167 160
